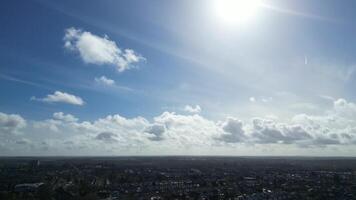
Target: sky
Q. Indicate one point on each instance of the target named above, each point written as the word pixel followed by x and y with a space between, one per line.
pixel 204 77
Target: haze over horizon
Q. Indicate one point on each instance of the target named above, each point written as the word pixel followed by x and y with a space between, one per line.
pixel 216 77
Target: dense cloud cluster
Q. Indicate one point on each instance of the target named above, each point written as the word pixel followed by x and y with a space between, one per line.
pixel 115 133
pixel 234 132
pixel 157 131
pixel 106 137
pixel 268 131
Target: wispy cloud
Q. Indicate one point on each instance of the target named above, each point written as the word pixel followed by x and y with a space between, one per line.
pixel 300 14
pixel 18 80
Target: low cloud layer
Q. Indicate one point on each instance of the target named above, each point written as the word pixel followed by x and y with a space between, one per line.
pixel 179 134
pixel 94 49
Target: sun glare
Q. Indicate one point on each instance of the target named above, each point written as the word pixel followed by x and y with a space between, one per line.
pixel 236 11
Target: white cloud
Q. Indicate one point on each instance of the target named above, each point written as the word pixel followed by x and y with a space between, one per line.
pixel 106 137
pixel 252 99
pixel 64 117
pixel 187 130
pixel 345 109
pixel 191 109
pixel 61 97
pixel 10 123
pixel 267 131
pixel 157 131
pixel 173 133
pixel 104 81
pixel 49 125
pixel 234 132
pixel 98 50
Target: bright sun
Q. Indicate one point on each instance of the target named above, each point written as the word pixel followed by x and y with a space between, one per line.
pixel 236 11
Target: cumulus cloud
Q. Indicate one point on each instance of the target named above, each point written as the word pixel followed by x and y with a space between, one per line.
pixel 187 130
pixel 192 109
pixel 104 81
pixel 64 117
pixel 157 131
pixel 266 131
pixel 61 97
pixel 293 133
pixel 180 133
pixel 106 137
pixel 98 50
pixel 234 132
pixel 10 123
pixel 345 109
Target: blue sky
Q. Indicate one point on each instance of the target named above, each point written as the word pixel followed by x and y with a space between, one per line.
pixel 139 77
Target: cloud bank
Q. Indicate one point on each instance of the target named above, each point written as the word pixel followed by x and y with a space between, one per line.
pixel 173 133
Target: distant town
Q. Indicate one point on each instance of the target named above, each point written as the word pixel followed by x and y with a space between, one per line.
pixel 154 178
